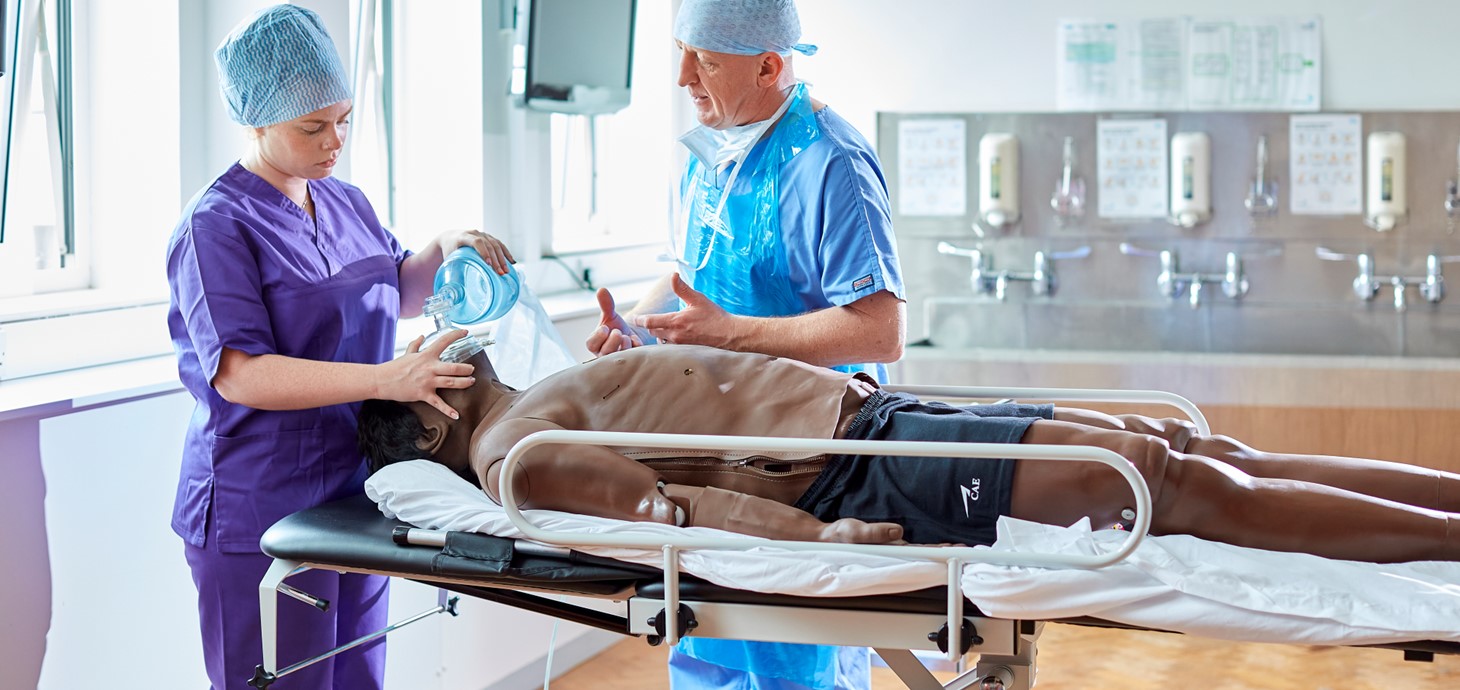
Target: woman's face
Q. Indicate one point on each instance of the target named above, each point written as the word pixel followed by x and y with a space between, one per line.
pixel 309 145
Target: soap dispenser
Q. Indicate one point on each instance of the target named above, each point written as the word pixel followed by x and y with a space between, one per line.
pixel 1387 190
pixel 1191 179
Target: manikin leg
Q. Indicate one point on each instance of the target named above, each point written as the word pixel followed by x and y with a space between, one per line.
pixel 1408 484
pixel 1214 500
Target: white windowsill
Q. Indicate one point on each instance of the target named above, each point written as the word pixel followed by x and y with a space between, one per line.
pixel 66 391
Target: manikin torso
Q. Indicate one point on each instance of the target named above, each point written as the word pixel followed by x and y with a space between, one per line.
pixel 679 389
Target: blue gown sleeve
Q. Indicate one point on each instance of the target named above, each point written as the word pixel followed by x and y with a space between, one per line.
pixel 857 252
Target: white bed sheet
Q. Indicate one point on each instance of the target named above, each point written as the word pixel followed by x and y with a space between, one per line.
pixel 1173 583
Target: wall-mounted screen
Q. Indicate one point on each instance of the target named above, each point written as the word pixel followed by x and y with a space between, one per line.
pixel 578 55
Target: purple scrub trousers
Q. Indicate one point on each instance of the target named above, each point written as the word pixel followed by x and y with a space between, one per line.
pixel 232 645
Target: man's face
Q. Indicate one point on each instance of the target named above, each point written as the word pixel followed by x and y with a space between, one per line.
pixel 722 85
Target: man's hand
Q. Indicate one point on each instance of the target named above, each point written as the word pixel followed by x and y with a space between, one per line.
pixel 700 322
pixel 613 333
pixel 417 374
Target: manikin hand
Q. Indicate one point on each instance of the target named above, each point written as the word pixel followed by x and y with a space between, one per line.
pixel 613 333
pixel 417 374
pixel 493 251
pixel 700 322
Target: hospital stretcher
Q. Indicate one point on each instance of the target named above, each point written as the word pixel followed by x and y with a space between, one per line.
pixel 353 535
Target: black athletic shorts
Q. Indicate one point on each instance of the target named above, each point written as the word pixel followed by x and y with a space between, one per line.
pixel 936 500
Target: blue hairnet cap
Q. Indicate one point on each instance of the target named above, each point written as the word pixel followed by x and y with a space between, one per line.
pixel 741 27
pixel 277 65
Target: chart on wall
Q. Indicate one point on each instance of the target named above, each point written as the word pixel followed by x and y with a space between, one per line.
pixel 1131 155
pixel 932 167
pixel 1325 163
pixel 1190 63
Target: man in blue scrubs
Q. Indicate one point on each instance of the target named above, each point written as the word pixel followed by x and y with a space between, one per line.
pixel 785 247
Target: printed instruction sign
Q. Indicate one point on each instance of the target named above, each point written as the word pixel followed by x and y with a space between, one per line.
pixel 932 167
pixel 1131 155
pixel 1190 63
pixel 1325 164
pixel 1121 64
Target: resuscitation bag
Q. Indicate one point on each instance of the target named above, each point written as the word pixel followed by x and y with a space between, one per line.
pixel 473 289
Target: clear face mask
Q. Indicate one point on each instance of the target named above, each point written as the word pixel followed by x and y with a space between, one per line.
pixel 731 145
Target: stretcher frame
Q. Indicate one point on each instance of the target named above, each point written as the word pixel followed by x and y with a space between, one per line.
pixel 1002 650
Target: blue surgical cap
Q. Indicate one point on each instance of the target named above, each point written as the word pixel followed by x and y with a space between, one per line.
pixel 277 65
pixel 741 27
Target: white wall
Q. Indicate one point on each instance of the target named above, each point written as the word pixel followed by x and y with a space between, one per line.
pixel 993 55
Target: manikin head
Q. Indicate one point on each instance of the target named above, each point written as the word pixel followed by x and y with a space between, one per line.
pixel 391 432
pixel 736 57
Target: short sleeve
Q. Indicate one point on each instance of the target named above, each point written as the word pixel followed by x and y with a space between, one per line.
pixel 216 285
pixel 856 252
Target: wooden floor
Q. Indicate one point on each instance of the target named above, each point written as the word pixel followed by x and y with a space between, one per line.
pixel 1075 658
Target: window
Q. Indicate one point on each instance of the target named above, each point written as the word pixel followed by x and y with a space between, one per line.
pixel 91 139
pixel 463 154
pixel 613 175
pixel 39 243
pixel 434 71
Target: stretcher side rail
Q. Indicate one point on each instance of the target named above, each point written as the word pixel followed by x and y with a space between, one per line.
pixel 954 557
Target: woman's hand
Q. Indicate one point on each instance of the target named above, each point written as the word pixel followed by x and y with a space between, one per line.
pixel 418 374
pixel 491 248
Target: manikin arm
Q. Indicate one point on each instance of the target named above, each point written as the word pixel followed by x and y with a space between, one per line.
pixel 598 481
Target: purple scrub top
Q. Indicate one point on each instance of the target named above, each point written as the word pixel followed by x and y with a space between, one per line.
pixel 249 270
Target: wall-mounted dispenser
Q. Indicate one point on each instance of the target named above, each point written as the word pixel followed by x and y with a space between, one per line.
pixel 1387 189
pixel 998 180
pixel 1191 179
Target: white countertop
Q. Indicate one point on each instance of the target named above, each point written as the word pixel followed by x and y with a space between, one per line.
pixel 1205 378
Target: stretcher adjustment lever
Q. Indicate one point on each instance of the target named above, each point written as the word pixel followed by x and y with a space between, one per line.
pixel 687 624
pixel 968 637
pixel 293 593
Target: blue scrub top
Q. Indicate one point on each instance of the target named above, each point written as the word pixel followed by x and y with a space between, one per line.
pixel 250 270
pixel 836 219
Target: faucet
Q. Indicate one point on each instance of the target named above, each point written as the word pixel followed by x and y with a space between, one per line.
pixel 1262 197
pixel 984 280
pixel 1172 283
pixel 1068 200
pixel 1367 285
pixel 1452 194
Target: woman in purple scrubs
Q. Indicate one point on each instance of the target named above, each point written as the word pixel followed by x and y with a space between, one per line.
pixel 285 294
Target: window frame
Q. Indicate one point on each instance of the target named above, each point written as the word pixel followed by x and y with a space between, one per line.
pixel 57 90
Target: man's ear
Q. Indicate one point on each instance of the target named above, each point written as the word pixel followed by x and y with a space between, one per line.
pixel 771 67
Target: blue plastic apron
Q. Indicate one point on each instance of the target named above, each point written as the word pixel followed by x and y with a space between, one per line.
pixel 737 258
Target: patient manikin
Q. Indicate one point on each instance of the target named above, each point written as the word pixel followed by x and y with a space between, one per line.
pixel 1211 487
